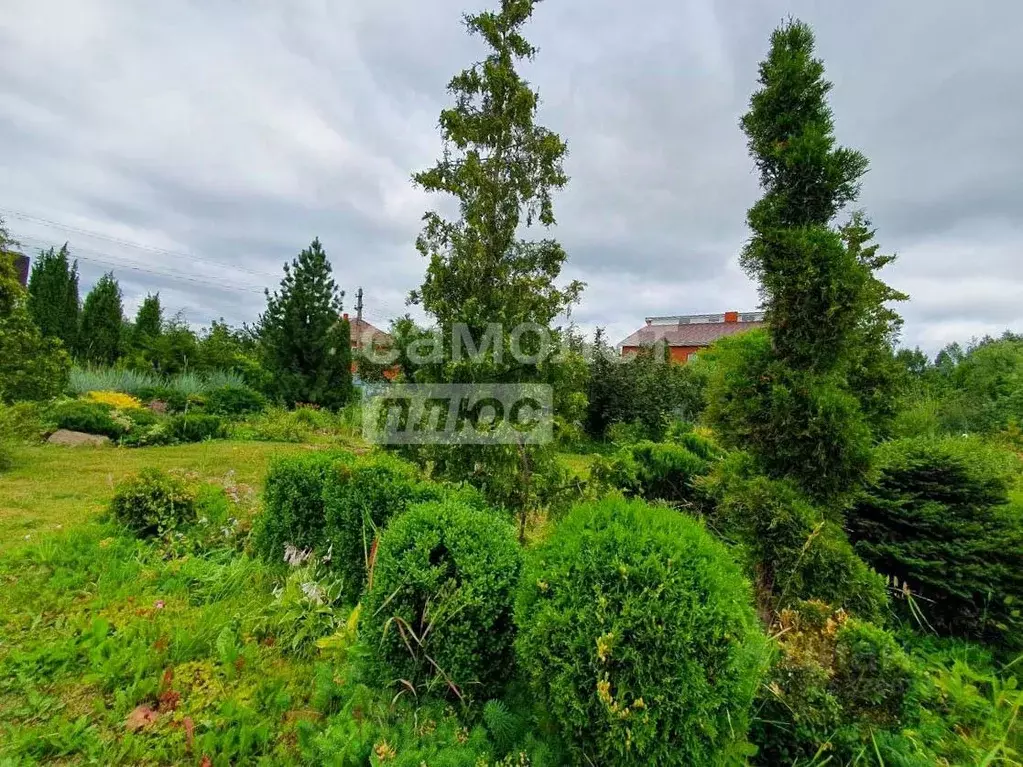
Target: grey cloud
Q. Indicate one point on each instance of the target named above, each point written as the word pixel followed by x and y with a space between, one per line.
pixel 237 133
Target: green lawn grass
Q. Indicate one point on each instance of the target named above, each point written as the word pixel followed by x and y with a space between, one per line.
pixel 186 650
pixel 577 463
pixel 52 487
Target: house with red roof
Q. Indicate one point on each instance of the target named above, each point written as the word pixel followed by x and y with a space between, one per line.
pixel 687 334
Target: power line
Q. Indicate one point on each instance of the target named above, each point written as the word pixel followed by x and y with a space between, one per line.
pixel 384 313
pixel 129 243
pixel 106 259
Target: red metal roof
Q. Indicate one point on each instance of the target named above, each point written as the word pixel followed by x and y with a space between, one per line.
pixel 366 333
pixel 694 334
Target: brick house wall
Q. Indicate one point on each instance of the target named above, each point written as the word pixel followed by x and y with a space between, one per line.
pixel 678 353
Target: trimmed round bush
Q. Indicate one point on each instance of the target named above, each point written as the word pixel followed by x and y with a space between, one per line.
pixel 359 498
pixel 234 400
pixel 293 503
pixel 152 503
pixel 196 427
pixel 439 610
pixel 637 634
pixel 937 517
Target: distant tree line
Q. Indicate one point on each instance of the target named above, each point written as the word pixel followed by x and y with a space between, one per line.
pixel 298 351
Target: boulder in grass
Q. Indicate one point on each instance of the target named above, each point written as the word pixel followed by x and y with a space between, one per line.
pixel 77 438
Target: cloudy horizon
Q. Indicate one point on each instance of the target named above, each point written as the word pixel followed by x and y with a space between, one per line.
pixel 196 148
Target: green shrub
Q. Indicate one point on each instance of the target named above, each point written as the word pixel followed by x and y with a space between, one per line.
pixel 6 457
pixel 637 635
pixel 91 418
pixel 152 503
pixel 148 436
pixel 32 367
pixel 792 550
pixel 22 421
pixel 173 399
pixel 624 434
pixel 647 390
pixel 511 476
pixel 141 417
pixel 439 611
pixel 293 512
pixel 696 440
pixel 275 424
pixel 652 470
pixel 196 427
pixel 836 683
pixel 938 518
pixel 234 400
pixel 359 499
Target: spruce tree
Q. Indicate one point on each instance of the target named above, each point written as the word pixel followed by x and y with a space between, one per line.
pixel 101 330
pixel 305 342
pixel 53 295
pixel 790 401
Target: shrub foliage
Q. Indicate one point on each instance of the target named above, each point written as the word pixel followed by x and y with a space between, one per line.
pixel 293 504
pixel 153 503
pixel 359 499
pixel 636 633
pixel 835 682
pixel 439 611
pixel 793 550
pixel 937 517
pixel 652 470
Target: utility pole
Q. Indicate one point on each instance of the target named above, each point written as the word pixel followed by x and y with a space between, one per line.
pixel 358 319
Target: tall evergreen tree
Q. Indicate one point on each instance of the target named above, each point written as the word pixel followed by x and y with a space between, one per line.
pixel 53 295
pixel 148 321
pixel 876 376
pixel 305 342
pixel 101 330
pixel 32 367
pixel 503 168
pixel 789 401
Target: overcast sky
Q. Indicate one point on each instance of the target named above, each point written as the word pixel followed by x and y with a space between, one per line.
pixel 196 146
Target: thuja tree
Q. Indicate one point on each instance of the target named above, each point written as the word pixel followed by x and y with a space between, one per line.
pixel 148 321
pixel 305 342
pixel 32 367
pixel 790 402
pixel 876 375
pixel 483 278
pixel 53 295
pixel 102 328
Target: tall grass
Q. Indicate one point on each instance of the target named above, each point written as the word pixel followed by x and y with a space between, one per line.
pixel 218 379
pixel 91 378
pixel 186 383
pixel 86 379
